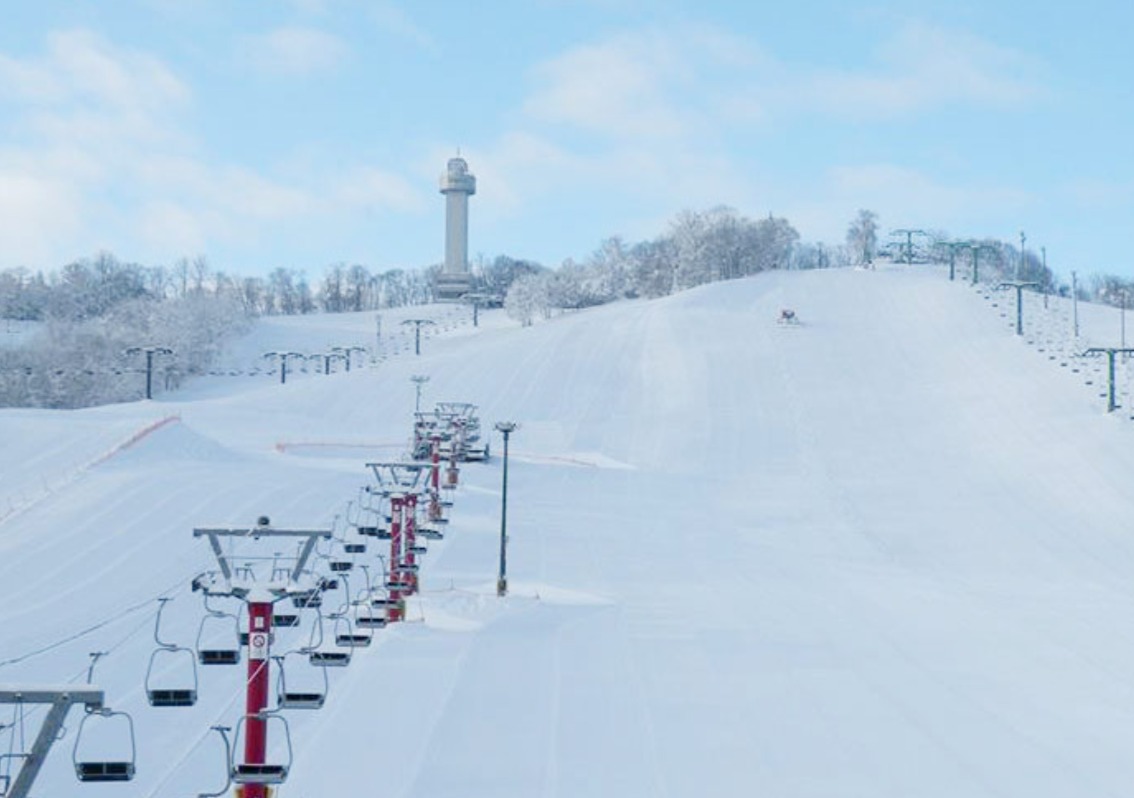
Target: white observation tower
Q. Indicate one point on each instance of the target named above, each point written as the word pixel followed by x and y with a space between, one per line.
pixel 457 184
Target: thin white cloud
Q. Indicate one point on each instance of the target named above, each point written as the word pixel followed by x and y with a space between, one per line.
pixel 369 188
pixel 901 196
pixel 624 87
pixel 684 84
pixel 80 66
pixel 398 23
pixel 921 68
pixel 294 51
pixel 36 212
pixel 85 121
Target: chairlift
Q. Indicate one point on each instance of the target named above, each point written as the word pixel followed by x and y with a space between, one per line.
pixel 347 637
pixel 418 548
pixel 368 619
pixel 162 695
pixel 307 598
pixel 90 769
pixel 341 566
pixel 370 531
pixel 298 699
pixel 261 773
pixel 332 659
pixel 16 732
pixel 226 655
pixel 354 548
pixel 429 533
pixel 285 619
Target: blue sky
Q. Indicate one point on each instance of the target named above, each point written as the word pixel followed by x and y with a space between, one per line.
pixel 300 133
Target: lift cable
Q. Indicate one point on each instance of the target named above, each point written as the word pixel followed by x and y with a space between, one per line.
pixel 88 630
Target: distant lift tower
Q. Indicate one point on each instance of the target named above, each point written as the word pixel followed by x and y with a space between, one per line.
pixel 457 184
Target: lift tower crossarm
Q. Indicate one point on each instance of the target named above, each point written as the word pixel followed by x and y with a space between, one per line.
pixel 61 698
pixel 214 535
pixel 400 477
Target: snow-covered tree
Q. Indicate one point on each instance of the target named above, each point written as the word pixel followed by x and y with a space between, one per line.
pixel 862 237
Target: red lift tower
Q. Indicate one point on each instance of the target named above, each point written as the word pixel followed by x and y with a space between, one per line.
pixel 259 591
pixel 400 483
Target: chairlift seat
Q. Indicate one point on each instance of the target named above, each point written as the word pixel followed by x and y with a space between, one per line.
pixel 308 598
pixel 407 568
pixel 172 697
pixel 368 531
pixel 352 640
pixel 354 548
pixel 417 548
pixel 330 658
pixel 259 774
pixel 219 656
pixel 341 566
pixel 328 584
pixel 285 619
pixel 301 700
pixel 384 602
pixel 371 621
pixel 430 534
pixel 104 771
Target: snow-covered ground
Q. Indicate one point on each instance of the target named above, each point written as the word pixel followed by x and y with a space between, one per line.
pixel 885 552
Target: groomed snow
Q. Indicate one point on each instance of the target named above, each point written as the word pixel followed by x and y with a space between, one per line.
pixel 885 552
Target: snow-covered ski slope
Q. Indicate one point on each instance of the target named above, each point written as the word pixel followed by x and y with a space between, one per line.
pixel 886 552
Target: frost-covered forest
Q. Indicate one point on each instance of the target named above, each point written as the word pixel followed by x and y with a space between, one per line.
pixel 78 336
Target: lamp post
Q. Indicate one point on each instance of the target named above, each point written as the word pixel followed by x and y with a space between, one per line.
pixel 1075 303
pixel 1020 264
pixel 150 352
pixel 417 323
pixel 1122 315
pixel 418 381
pixel 507 428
